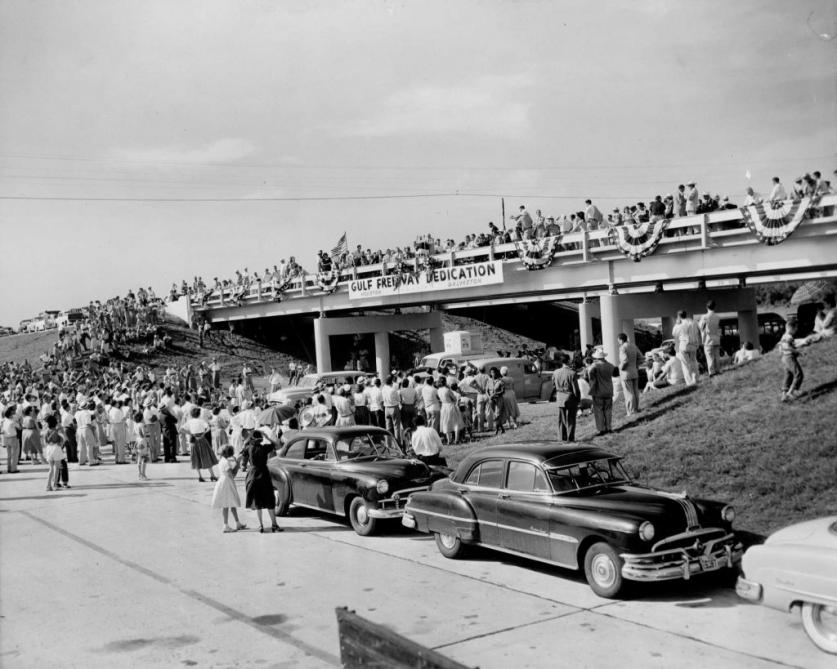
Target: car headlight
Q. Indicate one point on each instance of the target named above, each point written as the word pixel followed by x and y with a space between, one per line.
pixel 382 487
pixel 646 531
pixel 728 514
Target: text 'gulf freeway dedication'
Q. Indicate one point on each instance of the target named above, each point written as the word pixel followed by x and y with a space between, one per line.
pixel 444 278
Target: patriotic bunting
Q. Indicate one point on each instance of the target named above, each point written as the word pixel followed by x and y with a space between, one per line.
pixel 327 281
pixel 638 240
pixel 537 253
pixel 773 222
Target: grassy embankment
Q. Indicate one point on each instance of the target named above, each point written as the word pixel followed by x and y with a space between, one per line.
pixel 731 439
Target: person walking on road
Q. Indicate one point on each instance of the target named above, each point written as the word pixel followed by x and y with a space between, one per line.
pixel 629 361
pixel 687 339
pixel 600 378
pixel 790 362
pixel 567 398
pixel 710 331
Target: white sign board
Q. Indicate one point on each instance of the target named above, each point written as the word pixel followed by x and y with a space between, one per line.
pixel 444 278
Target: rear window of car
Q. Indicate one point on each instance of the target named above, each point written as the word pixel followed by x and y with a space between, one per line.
pixel 526 477
pixel 488 474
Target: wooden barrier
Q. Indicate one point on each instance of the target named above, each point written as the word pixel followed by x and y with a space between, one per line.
pixel 364 644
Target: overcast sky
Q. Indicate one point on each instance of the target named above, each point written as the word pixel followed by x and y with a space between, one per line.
pixel 118 117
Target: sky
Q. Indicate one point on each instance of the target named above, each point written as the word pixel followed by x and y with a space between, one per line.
pixel 147 141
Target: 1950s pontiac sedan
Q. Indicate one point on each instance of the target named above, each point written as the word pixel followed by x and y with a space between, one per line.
pixel 574 507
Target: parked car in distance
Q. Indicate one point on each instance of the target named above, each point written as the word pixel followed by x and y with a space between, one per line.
pixel 306 385
pixel 530 384
pixel 438 363
pixel 6 331
pixel 359 472
pixel 796 567
pixel 574 507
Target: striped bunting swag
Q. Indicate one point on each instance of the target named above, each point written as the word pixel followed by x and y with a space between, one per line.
pixel 537 253
pixel 638 240
pixel 773 222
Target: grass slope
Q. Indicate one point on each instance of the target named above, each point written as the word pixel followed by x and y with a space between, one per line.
pixel 730 438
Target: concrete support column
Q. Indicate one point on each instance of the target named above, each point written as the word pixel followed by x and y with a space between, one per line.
pixel 587 310
pixel 437 339
pixel 748 326
pixel 666 326
pixel 322 348
pixel 382 353
pixel 611 325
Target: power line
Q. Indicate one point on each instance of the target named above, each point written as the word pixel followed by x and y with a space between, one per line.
pixel 312 198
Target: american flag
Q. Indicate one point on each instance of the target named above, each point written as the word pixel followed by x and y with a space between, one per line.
pixel 341 247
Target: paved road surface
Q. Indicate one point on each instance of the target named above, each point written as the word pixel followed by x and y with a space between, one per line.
pixel 116 573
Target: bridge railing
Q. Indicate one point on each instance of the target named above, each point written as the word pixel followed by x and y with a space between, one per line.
pixel 691 233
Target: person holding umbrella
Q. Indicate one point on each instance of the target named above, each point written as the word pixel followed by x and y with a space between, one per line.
pixel 258 484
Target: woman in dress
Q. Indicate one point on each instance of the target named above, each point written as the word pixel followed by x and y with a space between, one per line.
pixel 225 496
pixel 202 456
pixel 450 419
pixel 218 426
pixel 258 484
pixel 509 397
pixel 31 437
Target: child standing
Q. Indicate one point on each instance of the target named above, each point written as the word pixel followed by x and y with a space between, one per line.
pixel 54 452
pixel 141 445
pixel 790 362
pixel 225 496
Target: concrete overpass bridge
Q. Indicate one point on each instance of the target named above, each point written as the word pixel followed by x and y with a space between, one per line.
pixel 699 257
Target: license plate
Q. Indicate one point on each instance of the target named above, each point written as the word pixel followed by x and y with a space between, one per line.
pixel 708 562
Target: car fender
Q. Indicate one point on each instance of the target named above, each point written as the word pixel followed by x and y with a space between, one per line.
pixel 282 484
pixel 546 389
pixel 444 511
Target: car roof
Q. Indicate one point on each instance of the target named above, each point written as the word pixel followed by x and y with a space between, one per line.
pixel 554 454
pixel 334 432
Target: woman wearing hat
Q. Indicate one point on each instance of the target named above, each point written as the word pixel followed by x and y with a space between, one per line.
pixel 258 484
pixel 197 430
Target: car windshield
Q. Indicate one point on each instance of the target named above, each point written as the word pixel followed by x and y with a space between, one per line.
pixel 370 445
pixel 430 361
pixel 591 474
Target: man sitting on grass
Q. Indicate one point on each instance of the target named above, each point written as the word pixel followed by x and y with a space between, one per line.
pixel 671 373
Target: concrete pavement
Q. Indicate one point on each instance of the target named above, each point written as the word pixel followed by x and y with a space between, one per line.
pixel 117 573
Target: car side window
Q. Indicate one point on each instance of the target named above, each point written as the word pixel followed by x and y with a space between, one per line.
pixel 316 449
pixel 529 368
pixel 488 474
pixel 296 450
pixel 525 477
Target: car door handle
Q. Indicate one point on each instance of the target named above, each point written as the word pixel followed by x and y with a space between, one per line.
pixel 503 495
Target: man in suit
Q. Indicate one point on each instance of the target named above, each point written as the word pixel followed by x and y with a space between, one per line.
pixel 600 378
pixel 567 398
pixel 629 361
pixel 710 331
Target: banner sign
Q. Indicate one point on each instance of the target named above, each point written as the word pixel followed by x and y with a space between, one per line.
pixel 442 278
pixel 772 222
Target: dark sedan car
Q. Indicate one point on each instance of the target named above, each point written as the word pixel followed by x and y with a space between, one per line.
pixel 359 472
pixel 574 507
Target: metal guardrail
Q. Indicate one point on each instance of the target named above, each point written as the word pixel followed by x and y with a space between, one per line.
pixel 364 644
pixel 683 235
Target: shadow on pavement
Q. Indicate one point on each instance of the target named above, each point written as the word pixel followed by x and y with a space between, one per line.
pixel 116 486
pixel 54 495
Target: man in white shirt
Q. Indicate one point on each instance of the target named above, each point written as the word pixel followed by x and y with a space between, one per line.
pixel 274 380
pixel 710 330
pixel 376 403
pixel 427 444
pixel 687 336
pixel 116 418
pixel 85 433
pixel 778 192
pixel 392 413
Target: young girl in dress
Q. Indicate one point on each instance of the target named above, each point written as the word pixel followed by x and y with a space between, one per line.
pixel 54 452
pixel 225 496
pixel 141 446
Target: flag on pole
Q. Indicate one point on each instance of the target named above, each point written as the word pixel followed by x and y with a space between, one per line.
pixel 341 247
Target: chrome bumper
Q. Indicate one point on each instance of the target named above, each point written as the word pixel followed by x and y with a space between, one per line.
pixel 748 589
pixel 385 513
pixel 680 563
pixel 393 507
pixel 408 520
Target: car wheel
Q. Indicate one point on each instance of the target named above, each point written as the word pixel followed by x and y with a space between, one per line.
pixel 603 570
pixel 359 517
pixel 449 545
pixel 282 505
pixel 820 623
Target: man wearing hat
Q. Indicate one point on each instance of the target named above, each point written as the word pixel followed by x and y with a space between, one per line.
pixel 692 199
pixel 567 398
pixel 600 377
pixel 630 360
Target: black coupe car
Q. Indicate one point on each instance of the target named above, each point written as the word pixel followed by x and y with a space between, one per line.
pixel 359 472
pixel 574 507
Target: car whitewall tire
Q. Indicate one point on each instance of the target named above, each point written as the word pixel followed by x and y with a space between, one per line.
pixel 359 517
pixel 820 623
pixel 603 570
pixel 448 544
